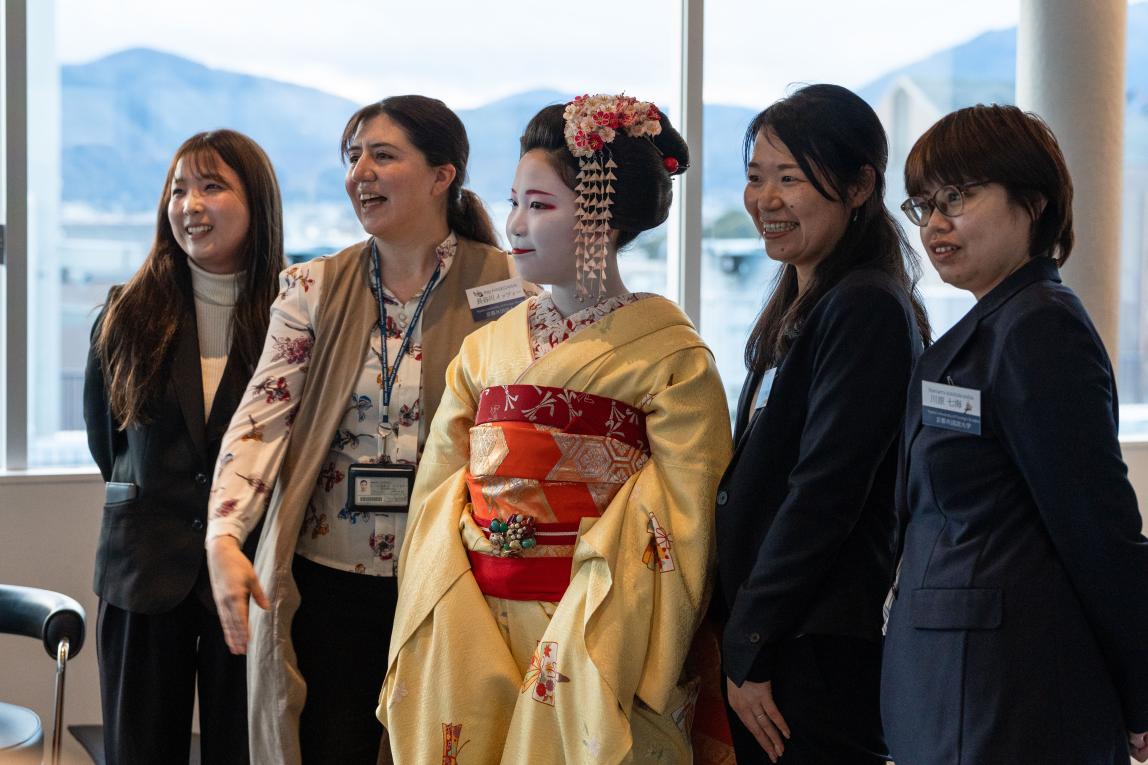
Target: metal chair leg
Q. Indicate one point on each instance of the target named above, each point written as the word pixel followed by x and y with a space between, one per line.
pixel 58 720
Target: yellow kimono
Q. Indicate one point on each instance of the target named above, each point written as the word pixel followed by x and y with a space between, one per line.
pixel 595 676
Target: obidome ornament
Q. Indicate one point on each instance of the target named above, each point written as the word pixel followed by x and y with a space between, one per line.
pixel 512 536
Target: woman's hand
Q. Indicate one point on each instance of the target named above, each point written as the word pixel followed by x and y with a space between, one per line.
pixel 753 703
pixel 233 581
pixel 1138 745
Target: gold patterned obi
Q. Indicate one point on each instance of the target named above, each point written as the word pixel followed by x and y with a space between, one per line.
pixel 541 460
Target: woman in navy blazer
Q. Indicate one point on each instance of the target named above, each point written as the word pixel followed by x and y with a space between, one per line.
pixel 1020 628
pixel 805 510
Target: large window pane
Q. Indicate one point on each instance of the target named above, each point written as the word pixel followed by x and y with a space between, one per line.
pixel 1133 354
pixel 120 85
pixel 909 67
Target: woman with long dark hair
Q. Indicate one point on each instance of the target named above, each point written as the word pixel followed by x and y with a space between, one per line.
pixel 332 427
pixel 805 509
pixel 170 356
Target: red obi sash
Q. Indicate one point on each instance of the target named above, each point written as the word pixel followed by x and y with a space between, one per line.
pixel 554 456
pixel 568 410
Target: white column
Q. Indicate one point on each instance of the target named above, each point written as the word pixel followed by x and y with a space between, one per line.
pixel 15 270
pixel 683 272
pixel 1070 71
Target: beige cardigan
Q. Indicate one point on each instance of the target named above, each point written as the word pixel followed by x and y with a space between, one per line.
pixel 343 323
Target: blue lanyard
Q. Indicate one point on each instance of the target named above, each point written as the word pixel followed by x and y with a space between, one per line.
pixel 390 377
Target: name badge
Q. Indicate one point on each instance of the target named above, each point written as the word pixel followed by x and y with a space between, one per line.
pixel 490 301
pixel 951 407
pixel 764 388
pixel 380 488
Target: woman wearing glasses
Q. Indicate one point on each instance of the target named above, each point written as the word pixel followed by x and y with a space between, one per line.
pixel 1018 631
pixel 805 512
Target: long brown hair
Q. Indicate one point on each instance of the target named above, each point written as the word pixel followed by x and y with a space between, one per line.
pixel 833 134
pixel 142 317
pixel 439 134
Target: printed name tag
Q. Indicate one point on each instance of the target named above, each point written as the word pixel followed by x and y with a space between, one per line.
pixel 373 487
pixel 951 407
pixel 490 301
pixel 382 492
pixel 764 388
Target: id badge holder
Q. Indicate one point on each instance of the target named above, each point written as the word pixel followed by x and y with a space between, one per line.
pixel 380 488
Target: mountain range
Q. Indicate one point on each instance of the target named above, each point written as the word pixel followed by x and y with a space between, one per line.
pixel 124 115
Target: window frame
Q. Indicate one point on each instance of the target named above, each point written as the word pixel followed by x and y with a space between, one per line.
pixel 14 284
pixel 684 237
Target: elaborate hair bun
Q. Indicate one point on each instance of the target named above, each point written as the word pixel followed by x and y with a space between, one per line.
pixel 673 148
pixel 618 154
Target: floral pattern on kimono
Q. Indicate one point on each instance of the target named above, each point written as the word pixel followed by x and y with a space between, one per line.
pixel 543 676
pixel 596 675
pixel 549 328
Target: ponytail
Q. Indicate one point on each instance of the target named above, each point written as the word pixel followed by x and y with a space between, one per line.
pixel 439 134
pixel 467 217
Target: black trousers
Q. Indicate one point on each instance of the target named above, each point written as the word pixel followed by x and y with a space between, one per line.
pixel 828 689
pixel 149 668
pixel 341 634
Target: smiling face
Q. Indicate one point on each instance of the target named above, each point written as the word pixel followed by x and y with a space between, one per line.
pixel 396 194
pixel 984 244
pixel 799 225
pixel 540 227
pixel 208 212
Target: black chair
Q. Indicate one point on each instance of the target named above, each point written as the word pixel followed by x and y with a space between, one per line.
pixel 58 621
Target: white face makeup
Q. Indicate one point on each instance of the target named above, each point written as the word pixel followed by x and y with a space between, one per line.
pixel 540 227
pixel 208 213
pixel 989 240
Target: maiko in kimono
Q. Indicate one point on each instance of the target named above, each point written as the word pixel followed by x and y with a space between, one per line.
pixel 561 543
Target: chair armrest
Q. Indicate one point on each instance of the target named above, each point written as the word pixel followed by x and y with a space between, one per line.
pixel 43 614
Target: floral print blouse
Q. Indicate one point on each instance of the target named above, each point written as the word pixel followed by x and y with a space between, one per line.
pixel 256 442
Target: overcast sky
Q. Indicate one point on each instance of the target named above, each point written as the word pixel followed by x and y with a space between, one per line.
pixel 470 53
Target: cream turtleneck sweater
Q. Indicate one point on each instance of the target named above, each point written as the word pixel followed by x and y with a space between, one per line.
pixel 215 296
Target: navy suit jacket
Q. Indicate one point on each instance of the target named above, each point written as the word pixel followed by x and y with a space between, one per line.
pixel 1020 630
pixel 151 547
pixel 805 510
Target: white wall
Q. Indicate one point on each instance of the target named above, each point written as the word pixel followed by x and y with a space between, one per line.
pixel 48 531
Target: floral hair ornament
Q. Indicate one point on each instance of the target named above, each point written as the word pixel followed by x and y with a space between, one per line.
pixel 592 123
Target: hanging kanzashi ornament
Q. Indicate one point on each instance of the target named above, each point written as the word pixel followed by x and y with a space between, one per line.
pixel 592 123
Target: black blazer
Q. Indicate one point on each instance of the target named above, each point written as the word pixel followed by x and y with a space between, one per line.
pixel 151 547
pixel 1020 631
pixel 805 510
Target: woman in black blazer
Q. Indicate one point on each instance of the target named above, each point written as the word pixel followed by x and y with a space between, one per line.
pixel 171 353
pixel 805 510
pixel 1020 628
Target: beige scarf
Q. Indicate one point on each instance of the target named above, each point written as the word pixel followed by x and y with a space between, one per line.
pixel 343 323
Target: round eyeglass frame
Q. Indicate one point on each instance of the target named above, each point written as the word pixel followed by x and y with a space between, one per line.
pixel 931 203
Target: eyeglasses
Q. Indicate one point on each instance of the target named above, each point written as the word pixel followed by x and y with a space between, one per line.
pixel 950 200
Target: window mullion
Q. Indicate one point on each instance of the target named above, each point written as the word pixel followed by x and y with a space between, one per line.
pixel 685 239
pixel 15 269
